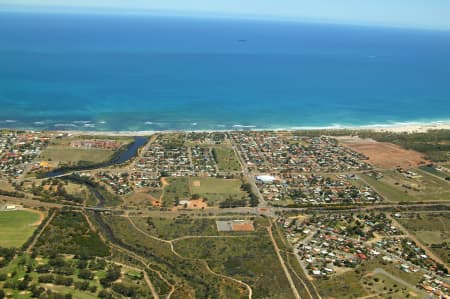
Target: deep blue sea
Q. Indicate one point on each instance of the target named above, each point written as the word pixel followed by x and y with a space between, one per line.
pixel 111 72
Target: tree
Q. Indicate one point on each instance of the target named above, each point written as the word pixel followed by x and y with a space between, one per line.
pixel 85 274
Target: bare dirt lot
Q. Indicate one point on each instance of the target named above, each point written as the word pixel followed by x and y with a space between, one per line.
pixel 384 154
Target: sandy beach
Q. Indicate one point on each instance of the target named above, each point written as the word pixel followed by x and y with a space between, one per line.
pixel 395 128
pixel 409 128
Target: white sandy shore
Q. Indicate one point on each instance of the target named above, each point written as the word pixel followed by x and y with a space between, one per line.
pixel 409 128
pixel 396 128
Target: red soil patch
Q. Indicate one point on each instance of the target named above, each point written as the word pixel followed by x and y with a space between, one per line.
pixel 197 204
pixel 243 227
pixel 156 203
pixel 384 154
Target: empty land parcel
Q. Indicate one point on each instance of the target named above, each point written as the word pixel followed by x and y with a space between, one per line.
pixel 75 150
pixel 409 185
pixel 433 230
pixel 226 159
pixel 190 278
pixel 245 256
pixel 383 154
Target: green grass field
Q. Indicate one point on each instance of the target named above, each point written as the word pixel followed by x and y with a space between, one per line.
pixel 226 159
pixel 394 186
pixel 434 171
pixel 177 188
pixel 216 190
pixel 58 154
pixel 389 192
pixel 213 189
pixel 16 227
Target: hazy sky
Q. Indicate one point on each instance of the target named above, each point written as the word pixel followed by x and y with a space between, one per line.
pixel 405 13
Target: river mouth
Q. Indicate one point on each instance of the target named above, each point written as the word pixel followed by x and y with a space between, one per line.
pixel 120 157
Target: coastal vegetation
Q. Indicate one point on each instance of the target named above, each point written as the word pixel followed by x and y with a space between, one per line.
pixel 176 227
pixel 79 238
pixel 251 259
pixel 193 275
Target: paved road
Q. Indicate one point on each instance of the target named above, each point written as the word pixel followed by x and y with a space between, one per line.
pixel 250 177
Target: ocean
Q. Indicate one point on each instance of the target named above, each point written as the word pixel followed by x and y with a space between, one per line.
pixel 134 73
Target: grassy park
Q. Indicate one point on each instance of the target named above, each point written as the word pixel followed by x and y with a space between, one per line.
pixel 16 227
pixel 215 190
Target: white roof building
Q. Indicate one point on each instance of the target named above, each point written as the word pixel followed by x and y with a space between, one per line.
pixel 265 178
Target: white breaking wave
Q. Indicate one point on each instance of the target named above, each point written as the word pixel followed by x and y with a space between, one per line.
pixel 244 126
pixel 64 125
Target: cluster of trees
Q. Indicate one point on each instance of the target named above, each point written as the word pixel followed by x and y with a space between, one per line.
pixel 112 274
pixel 12 193
pixel 231 202
pixel 41 293
pixel 56 279
pixel 20 285
pixel 79 238
pixel 38 229
pixel 58 271
pixel 253 197
pixel 126 290
pixel 6 255
pixel 56 191
pixel 84 286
